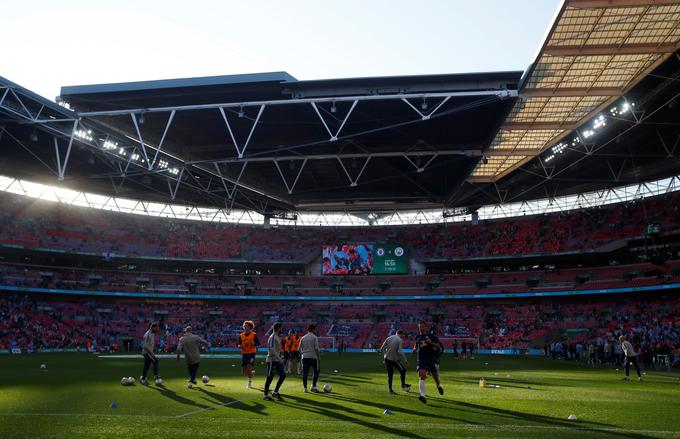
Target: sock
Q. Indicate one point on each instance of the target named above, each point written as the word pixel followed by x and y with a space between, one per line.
pixel 421 387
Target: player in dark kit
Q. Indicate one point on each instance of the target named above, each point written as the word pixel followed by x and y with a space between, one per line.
pixel 429 349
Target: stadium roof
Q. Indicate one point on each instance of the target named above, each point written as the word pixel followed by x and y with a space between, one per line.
pixel 595 109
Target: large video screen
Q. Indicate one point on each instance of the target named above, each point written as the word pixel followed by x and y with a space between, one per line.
pixel 347 259
pixel 364 259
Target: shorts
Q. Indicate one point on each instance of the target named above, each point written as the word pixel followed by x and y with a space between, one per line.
pixel 275 368
pixel 248 359
pixel 428 365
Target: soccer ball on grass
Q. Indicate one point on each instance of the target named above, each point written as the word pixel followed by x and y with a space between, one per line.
pixel 327 388
pixel 205 379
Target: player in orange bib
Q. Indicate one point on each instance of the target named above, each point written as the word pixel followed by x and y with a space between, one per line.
pixel 248 342
pixel 294 355
pixel 287 343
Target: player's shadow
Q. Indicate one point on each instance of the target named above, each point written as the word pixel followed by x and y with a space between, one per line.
pixel 334 380
pixel 504 382
pixel 348 378
pixel 589 426
pixel 227 402
pixel 342 413
pixel 475 380
pixel 381 406
pixel 164 391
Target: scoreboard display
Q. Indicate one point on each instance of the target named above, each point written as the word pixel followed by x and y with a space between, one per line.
pixel 390 259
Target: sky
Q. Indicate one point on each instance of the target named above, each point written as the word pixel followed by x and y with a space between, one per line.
pixel 49 44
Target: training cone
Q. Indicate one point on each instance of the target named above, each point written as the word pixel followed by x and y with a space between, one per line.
pixel 114 405
pixel 482 382
pixel 387 412
pixel 572 417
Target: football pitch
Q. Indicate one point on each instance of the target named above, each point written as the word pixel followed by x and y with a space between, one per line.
pixel 72 398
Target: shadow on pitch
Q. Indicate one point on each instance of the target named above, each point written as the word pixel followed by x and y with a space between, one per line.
pixel 356 378
pixel 381 406
pixel 494 380
pixel 502 379
pixel 590 426
pixel 227 402
pixel 343 413
pixel 164 391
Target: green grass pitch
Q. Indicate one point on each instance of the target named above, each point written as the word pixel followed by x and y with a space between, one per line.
pixel 72 399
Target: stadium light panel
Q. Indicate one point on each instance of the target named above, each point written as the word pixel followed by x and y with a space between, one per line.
pixel 84 135
pixel 109 144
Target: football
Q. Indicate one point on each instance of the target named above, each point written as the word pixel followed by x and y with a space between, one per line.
pixel 158 381
pixel 124 381
pixel 327 388
pixel 131 380
pixel 190 385
pixel 43 366
pixel 205 379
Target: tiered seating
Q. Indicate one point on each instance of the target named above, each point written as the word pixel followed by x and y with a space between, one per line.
pixel 39 224
pixel 32 322
pixel 632 275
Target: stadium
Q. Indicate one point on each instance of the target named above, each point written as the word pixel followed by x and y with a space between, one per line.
pixel 523 226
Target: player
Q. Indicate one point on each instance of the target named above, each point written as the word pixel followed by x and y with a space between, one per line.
pixel 393 355
pixel 274 363
pixel 248 342
pixel 287 343
pixel 190 344
pixel 631 357
pixel 295 353
pixel 429 349
pixel 311 355
pixel 148 352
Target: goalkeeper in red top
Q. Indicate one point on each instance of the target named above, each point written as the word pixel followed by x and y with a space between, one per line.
pixel 248 342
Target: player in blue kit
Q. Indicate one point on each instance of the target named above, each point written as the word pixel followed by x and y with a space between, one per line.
pixel 429 349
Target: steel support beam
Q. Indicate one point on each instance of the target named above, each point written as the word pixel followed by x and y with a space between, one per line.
pixel 141 140
pixel 426 116
pixel 297 177
pixel 454 152
pixel 240 151
pixel 62 170
pixel 334 136
pixel 353 181
pixel 160 144
pixel 377 97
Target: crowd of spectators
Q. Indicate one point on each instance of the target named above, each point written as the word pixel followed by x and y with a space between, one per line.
pixel 576 329
pixel 40 224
